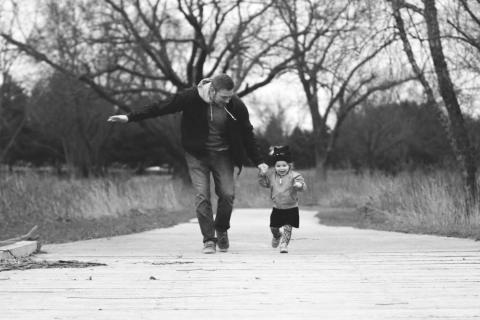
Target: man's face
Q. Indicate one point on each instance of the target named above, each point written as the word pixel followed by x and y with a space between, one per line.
pixel 221 97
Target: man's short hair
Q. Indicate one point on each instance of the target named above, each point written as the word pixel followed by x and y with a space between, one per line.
pixel 222 81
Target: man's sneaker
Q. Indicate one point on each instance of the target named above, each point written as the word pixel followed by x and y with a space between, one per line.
pixel 283 249
pixel 209 247
pixel 276 241
pixel 222 241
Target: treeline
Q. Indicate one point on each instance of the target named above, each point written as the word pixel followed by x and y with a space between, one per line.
pixel 390 137
pixel 62 124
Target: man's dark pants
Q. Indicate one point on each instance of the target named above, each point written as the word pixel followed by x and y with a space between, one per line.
pixel 220 165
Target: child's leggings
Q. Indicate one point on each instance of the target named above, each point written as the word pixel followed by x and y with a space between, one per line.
pixel 287 234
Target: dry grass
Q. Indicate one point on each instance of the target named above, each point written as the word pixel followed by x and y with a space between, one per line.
pixel 342 189
pixel 67 209
pixel 78 209
pixel 433 203
pixel 410 202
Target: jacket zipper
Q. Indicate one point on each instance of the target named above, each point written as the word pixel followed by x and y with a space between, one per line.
pixel 225 108
pixel 280 177
pixel 228 112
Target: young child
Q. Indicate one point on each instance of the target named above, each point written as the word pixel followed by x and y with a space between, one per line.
pixel 284 183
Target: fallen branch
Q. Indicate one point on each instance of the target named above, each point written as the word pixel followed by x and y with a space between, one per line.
pixel 31 235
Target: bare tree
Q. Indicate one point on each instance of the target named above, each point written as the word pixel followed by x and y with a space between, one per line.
pixel 464 20
pixel 463 148
pixel 455 126
pixel 127 50
pixel 334 50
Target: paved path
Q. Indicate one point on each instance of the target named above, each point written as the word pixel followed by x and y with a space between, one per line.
pixel 330 273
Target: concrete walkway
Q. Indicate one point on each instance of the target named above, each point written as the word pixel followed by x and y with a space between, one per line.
pixel 330 273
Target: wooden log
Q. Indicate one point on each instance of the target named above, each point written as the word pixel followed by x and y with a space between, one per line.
pixel 18 250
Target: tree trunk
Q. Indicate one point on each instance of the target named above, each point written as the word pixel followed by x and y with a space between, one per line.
pixel 321 156
pixel 320 165
pixel 319 131
pixel 463 150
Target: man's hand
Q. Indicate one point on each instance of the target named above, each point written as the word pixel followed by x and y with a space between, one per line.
pixel 263 167
pixel 119 118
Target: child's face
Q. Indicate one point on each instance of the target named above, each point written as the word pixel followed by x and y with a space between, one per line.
pixel 281 167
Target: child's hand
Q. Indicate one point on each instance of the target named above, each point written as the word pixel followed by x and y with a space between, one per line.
pixel 298 185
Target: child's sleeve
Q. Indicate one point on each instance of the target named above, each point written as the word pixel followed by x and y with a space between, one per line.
pixel 299 178
pixel 263 180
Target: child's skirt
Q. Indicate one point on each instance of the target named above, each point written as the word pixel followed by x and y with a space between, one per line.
pixel 281 217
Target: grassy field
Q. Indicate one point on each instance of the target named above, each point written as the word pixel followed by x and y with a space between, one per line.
pixel 68 210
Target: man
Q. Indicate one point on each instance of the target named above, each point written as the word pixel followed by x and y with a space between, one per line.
pixel 217 136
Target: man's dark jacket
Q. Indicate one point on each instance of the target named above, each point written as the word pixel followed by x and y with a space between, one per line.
pixel 194 124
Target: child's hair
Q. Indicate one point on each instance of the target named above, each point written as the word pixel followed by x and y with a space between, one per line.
pixel 279 153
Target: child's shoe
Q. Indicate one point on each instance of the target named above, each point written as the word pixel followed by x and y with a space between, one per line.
pixel 283 248
pixel 276 241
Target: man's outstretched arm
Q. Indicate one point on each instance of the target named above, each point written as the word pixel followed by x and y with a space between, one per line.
pixel 160 108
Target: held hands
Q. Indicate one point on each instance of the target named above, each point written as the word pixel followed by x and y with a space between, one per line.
pixel 119 118
pixel 263 167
